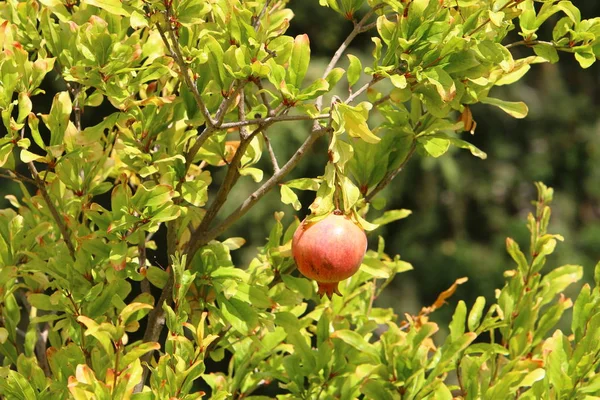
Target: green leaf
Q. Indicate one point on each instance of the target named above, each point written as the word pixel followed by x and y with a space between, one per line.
pixel 443 83
pixel 304 184
pixel 17 386
pixel 457 325
pixel 435 147
pixel 134 312
pixel 299 60
pixel 514 75
pixel 399 81
pixel 375 389
pixel 350 193
pixel 355 340
pixel 353 120
pixel 3 335
pixel 240 315
pixel 289 197
pixel 354 70
pixel 112 6
pixel 300 285
pixel 391 216
pixel 585 58
pixel 334 76
pixel 461 144
pixel 58 119
pixel 157 276
pixel 196 192
pixel 317 88
pixel 475 314
pixel 516 109
pixel 43 302
pixel 255 173
pixel 27 156
pixel 547 52
pixel 25 106
pixel 557 280
pixel 517 255
pixel 135 352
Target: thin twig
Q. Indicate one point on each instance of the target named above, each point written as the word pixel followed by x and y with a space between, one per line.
pixel 263 96
pixel 358 26
pixel 237 86
pixel 272 155
pixel 531 43
pixel 381 100
pixel 390 175
pixel 278 118
pixel 75 89
pixel 64 230
pixel 184 71
pixel 17 177
pixel 242 115
pixel 360 91
pixel 256 23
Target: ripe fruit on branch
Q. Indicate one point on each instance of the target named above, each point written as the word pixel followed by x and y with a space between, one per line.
pixel 329 250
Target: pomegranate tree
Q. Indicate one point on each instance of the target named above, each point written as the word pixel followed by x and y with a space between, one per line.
pixel 329 250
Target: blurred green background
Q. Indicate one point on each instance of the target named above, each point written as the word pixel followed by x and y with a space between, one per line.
pixel 463 207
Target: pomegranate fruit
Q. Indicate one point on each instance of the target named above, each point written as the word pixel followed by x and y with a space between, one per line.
pixel 329 250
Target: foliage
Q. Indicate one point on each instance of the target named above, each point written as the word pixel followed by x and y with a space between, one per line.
pixel 195 86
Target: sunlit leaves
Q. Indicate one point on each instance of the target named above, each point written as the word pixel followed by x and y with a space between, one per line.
pixel 514 109
pixel 174 76
pixel 353 120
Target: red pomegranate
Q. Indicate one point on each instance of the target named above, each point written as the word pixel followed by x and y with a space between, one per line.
pixel 329 250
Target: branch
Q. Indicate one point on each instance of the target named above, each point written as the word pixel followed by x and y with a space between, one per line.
pixel 268 120
pixel 390 175
pixel 242 115
pixel 381 100
pixel 271 153
pixel 256 23
pixel 183 69
pixel 224 106
pixel 265 188
pixel 75 89
pixel 530 43
pixel 233 173
pixel 358 26
pixel 15 176
pixel 360 91
pixel 64 230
